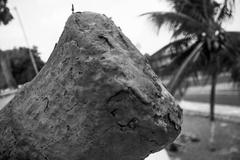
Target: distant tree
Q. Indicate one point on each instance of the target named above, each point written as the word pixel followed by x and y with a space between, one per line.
pixel 235 75
pixel 5 14
pixel 6 72
pixel 5 18
pixel 201 45
pixel 20 63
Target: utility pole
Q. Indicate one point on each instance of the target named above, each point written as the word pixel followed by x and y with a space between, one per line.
pixel 27 42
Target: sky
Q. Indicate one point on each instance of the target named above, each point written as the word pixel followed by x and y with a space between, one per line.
pixel 44 21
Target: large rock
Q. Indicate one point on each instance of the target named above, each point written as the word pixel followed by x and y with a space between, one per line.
pixel 95 99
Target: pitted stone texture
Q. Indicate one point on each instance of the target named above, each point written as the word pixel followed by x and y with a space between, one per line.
pixel 95 99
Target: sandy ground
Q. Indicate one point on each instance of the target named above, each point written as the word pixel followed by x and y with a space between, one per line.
pixel 226 145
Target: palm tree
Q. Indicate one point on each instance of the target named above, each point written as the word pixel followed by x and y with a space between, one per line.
pixel 200 47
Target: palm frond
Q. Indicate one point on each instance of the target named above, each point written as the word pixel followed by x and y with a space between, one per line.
pixel 177 45
pixel 226 11
pixel 175 51
pixel 205 12
pixel 214 51
pixel 174 60
pixel 182 23
pixel 179 75
pixel 228 53
pixel 201 10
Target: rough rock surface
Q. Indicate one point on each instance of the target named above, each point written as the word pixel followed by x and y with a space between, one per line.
pixel 95 99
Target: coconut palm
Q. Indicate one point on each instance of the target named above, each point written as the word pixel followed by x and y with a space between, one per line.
pixel 200 46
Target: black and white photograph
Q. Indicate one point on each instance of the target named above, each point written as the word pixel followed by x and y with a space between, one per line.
pixel 119 80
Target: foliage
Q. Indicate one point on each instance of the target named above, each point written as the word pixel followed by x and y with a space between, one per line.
pixel 20 63
pixel 201 45
pixel 5 14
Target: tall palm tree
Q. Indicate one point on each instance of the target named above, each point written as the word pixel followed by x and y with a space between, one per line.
pixel 200 46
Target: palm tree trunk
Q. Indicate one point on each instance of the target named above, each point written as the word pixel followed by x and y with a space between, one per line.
pixel 212 95
pixel 6 70
pixel 212 105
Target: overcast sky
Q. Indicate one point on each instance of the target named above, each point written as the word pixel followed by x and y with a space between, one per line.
pixel 44 21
